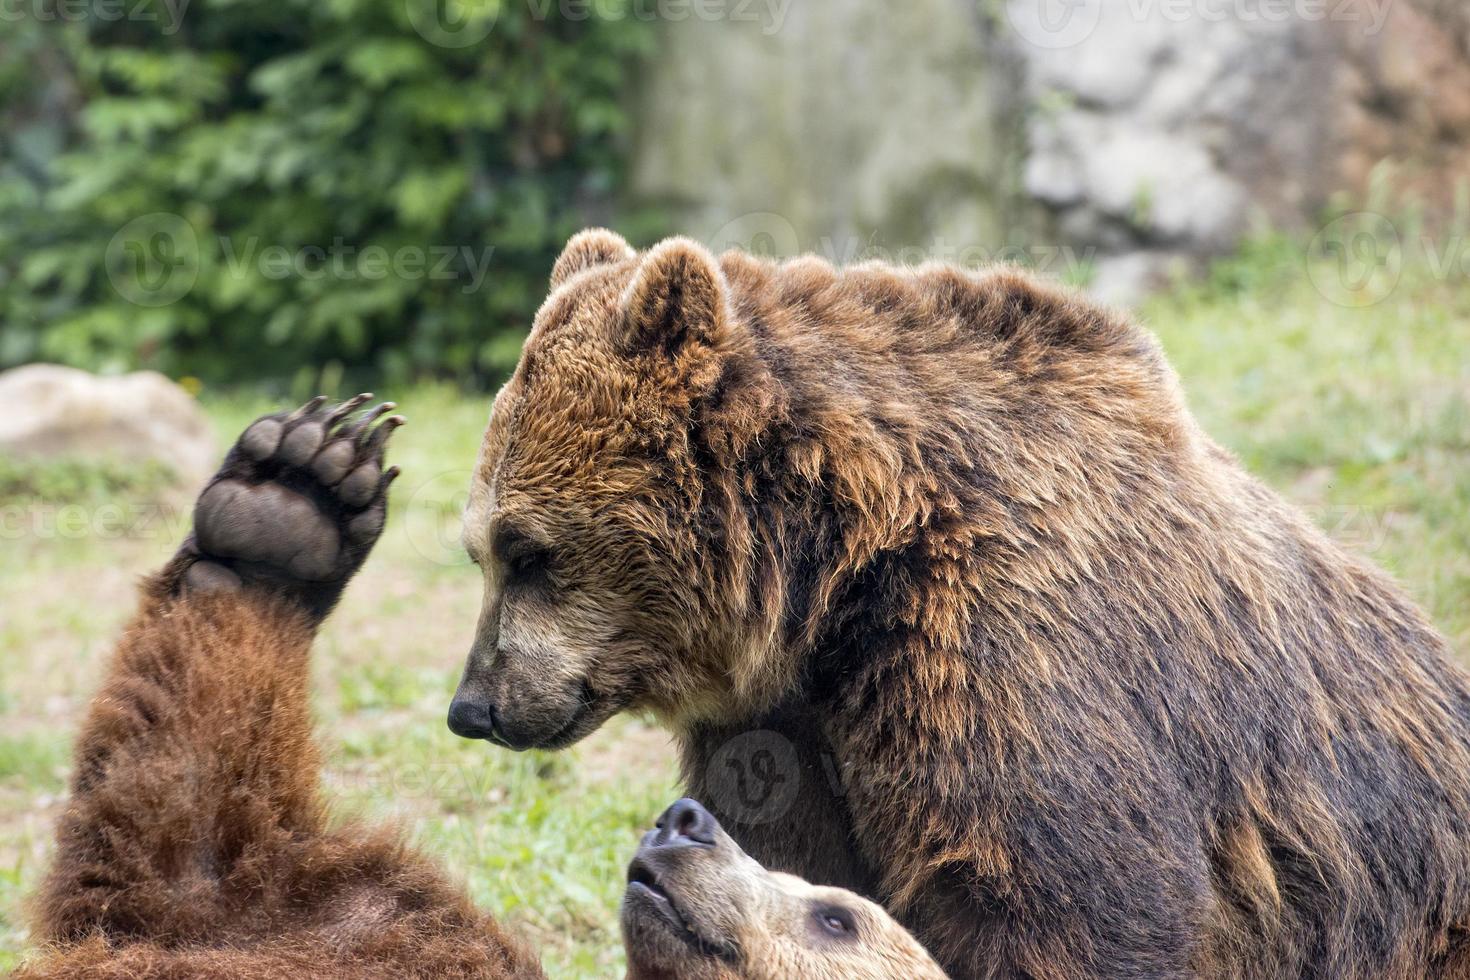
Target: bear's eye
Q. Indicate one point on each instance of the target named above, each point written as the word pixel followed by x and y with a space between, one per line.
pixel 835 921
pixel 526 561
pixel 528 564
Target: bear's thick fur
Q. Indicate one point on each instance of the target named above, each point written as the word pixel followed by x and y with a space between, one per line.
pixel 196 843
pixel 1066 689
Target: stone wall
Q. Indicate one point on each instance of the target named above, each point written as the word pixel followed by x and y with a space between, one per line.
pixel 1144 134
pixel 835 126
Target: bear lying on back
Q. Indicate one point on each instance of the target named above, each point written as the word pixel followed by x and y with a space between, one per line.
pixel 196 842
pixel 1064 687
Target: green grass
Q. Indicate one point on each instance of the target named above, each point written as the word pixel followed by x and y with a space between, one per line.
pixel 1360 414
pixel 77 481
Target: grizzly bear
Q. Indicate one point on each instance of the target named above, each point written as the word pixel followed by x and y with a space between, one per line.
pixel 1029 659
pixel 197 843
pixel 697 907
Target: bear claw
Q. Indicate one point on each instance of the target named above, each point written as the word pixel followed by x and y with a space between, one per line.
pixel 297 506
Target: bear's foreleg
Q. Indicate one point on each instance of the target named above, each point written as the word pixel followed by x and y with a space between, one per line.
pixel 196 758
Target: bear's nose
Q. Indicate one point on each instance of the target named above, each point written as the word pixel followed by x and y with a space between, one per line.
pixel 684 823
pixel 469 719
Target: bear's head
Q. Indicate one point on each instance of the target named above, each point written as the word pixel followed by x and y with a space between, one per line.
pixel 699 907
pixel 608 577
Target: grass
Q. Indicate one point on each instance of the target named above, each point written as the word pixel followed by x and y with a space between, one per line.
pixel 1358 413
pixel 81 481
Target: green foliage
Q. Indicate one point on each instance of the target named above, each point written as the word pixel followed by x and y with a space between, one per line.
pixel 239 188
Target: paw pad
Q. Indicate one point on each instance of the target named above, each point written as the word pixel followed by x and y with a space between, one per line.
pixel 298 504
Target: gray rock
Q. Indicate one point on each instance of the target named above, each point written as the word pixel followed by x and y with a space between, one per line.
pixel 55 412
pixel 1124 280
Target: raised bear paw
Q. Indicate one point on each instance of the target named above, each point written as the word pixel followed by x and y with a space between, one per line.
pixel 296 507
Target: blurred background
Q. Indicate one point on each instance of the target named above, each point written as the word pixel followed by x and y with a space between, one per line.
pixel 211 208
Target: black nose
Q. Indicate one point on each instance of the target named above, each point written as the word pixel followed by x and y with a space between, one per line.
pixel 683 823
pixel 467 719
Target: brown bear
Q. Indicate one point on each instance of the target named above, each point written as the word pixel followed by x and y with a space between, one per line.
pixel 1029 658
pixel 197 843
pixel 699 908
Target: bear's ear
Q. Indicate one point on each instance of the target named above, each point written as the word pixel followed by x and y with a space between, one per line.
pixel 677 296
pixel 588 248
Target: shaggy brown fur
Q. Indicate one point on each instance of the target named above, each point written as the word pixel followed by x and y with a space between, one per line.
pixel 1096 702
pixel 197 846
pixel 196 843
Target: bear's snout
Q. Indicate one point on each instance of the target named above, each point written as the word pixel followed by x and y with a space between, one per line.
pixel 508 710
pixel 469 719
pixel 683 824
